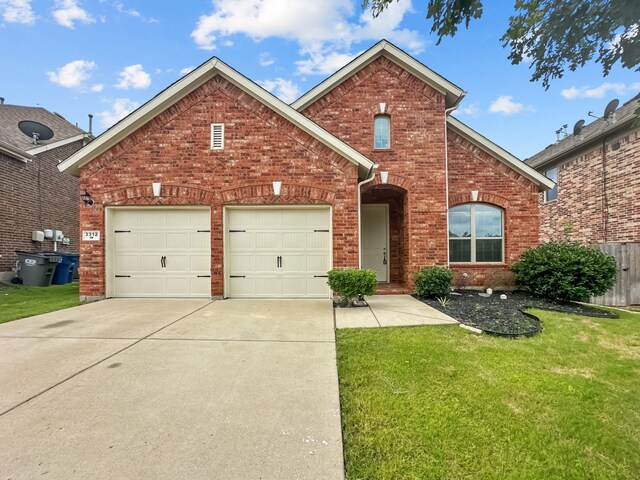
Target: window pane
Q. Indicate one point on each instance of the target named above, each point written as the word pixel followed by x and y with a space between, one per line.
pixel 488 221
pixel 460 250
pixel 552 174
pixel 460 221
pixel 381 131
pixel 488 250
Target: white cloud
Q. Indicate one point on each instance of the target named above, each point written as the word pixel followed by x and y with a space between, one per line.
pixel 133 76
pixel 73 74
pixel 505 105
pixel 285 90
pixel 69 11
pixel 185 70
pixel 266 59
pixel 120 108
pixel 97 88
pixel 322 60
pixel 17 11
pixel 323 30
pixel 471 110
pixel 600 91
pixel 120 7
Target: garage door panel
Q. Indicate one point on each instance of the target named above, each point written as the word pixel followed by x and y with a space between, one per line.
pixel 162 252
pixel 318 263
pixel 278 253
pixel 126 241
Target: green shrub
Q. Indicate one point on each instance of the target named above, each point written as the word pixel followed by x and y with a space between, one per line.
pixel 433 282
pixel 565 271
pixel 350 283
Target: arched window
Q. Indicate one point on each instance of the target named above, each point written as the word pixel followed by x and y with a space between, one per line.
pixel 475 233
pixel 381 131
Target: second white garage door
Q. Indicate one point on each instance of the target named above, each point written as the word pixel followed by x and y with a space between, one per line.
pixel 278 252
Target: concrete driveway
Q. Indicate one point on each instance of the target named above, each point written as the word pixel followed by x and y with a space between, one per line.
pixel 171 389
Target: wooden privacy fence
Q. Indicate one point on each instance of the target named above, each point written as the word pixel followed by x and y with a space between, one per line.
pixel 626 290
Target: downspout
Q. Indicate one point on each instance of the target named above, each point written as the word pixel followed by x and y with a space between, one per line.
pixel 370 177
pixel 447 111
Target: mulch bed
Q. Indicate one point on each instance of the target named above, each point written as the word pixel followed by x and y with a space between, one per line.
pixel 508 317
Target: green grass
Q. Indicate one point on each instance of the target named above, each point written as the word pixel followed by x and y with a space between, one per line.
pixel 18 301
pixel 443 403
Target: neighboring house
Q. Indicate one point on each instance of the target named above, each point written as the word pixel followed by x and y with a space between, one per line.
pixel 596 199
pixel 217 188
pixel 34 195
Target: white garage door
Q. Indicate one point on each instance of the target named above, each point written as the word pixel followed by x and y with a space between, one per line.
pixel 278 252
pixel 160 252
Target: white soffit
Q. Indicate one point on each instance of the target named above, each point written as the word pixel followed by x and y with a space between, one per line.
pixel 452 92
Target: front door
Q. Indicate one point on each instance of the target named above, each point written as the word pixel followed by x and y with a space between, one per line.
pixel 374 234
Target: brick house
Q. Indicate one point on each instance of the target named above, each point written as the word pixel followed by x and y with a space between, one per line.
pixel 217 188
pixel 596 199
pixel 34 194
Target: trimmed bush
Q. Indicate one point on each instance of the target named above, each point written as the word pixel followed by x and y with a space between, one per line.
pixel 433 282
pixel 565 271
pixel 350 283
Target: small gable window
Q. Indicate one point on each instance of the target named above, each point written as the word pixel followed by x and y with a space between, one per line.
pixel 217 136
pixel 552 174
pixel 475 233
pixel 381 131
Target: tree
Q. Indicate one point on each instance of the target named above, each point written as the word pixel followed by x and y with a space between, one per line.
pixel 553 34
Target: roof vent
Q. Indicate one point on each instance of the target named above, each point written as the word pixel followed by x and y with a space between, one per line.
pixel 35 130
pixel 1 100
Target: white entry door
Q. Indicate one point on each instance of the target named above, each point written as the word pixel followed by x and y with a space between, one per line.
pixel 277 252
pixel 159 252
pixel 374 234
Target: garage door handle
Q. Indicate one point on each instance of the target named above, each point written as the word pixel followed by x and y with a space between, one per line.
pixel 123 276
pixel 321 276
pixel 237 276
pixel 204 276
pixel 163 261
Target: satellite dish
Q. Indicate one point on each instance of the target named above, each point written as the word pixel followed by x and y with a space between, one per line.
pixel 577 128
pixel 30 129
pixel 611 107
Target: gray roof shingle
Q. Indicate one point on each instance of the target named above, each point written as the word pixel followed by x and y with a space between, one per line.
pixel 11 115
pixel 623 115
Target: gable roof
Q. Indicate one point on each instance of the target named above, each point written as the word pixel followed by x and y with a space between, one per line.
pixel 622 118
pixel 452 92
pixel 18 145
pixel 499 153
pixel 189 83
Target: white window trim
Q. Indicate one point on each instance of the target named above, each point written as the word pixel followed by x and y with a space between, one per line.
pixel 375 117
pixel 473 237
pixel 213 128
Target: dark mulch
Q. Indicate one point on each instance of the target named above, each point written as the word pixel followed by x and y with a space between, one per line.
pixel 508 317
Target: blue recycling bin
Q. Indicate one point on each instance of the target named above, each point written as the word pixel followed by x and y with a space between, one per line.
pixel 65 269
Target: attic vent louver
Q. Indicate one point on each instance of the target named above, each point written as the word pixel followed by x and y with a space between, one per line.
pixel 217 136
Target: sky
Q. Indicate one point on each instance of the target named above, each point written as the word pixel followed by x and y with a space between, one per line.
pixel 108 57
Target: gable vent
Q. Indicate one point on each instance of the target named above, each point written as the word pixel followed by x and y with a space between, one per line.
pixel 217 136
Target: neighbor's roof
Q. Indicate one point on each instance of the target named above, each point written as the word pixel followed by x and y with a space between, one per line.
pixel 499 153
pixel 623 117
pixel 14 140
pixel 186 85
pixel 452 92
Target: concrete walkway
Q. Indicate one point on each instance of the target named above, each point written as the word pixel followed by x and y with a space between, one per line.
pixel 391 311
pixel 171 389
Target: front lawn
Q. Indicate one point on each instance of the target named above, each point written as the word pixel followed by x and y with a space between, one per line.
pixel 443 403
pixel 18 301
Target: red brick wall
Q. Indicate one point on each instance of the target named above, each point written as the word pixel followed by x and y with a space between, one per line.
pixel 470 168
pixel 585 210
pixel 416 159
pixel 260 147
pixel 416 163
pixel 36 196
